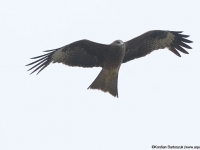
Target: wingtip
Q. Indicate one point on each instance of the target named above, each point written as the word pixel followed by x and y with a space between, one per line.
pixel 176 32
pixel 48 50
pixel 37 73
pixel 28 64
pixel 187 46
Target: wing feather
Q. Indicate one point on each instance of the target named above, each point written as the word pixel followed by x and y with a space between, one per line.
pixel 172 49
pixel 83 53
pixel 154 40
pixel 178 47
pixel 44 58
pixel 184 45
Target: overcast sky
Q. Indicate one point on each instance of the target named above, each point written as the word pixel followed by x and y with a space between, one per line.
pixel 159 95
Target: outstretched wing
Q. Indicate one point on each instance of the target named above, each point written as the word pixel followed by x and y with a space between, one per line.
pixel 83 53
pixel 154 40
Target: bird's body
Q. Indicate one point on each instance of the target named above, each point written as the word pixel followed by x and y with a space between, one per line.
pixel 85 53
pixel 108 77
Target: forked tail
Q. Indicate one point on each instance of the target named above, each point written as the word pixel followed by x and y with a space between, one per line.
pixel 106 81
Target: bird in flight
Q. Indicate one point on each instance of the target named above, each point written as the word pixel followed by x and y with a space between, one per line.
pixel 85 53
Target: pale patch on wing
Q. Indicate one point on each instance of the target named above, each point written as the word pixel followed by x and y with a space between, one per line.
pixel 58 56
pixel 165 42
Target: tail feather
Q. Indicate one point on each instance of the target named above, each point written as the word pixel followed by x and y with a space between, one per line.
pixel 106 81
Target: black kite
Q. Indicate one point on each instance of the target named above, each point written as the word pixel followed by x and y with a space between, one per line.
pixel 85 53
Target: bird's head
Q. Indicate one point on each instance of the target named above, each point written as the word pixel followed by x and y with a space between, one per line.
pixel 118 43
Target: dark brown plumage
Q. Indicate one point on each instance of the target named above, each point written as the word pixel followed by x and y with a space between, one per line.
pixel 85 53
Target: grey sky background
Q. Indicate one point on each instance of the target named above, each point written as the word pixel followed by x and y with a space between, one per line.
pixel 159 95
